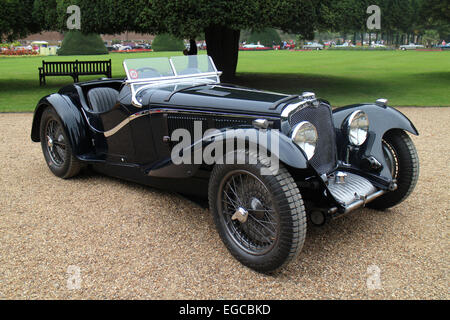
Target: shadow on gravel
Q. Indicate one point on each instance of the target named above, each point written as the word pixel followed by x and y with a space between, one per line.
pixel 322 245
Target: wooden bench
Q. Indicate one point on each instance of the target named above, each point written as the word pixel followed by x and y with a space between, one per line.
pixel 74 69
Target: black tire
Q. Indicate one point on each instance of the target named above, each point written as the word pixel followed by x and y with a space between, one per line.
pixel 56 146
pixel 403 160
pixel 275 231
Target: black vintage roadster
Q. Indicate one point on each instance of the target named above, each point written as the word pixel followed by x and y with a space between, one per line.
pixel 269 163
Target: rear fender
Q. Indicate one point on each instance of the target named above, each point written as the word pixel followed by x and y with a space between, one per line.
pixel 72 121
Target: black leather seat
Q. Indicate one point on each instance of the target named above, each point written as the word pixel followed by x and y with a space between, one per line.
pixel 102 99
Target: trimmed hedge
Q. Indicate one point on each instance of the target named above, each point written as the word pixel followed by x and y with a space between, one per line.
pixel 266 37
pixel 167 42
pixel 77 43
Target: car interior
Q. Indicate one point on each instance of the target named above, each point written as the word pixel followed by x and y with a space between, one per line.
pixel 102 100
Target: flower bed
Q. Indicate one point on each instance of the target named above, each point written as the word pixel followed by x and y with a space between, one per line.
pixel 255 49
pixel 22 52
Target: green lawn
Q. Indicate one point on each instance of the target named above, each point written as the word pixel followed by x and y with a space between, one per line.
pixel 342 77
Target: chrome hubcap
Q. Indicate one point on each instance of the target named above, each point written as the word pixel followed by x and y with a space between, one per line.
pixel 247 211
pixel 49 142
pixel 240 215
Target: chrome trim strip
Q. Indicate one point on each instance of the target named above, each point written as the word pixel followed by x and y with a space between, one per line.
pixel 204 112
pixel 117 128
pixel 138 115
pixel 308 99
pixel 293 108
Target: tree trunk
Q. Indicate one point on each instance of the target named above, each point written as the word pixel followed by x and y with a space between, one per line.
pixel 193 50
pixel 223 47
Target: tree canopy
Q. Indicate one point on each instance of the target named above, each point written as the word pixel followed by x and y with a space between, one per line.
pixel 16 19
pixel 221 20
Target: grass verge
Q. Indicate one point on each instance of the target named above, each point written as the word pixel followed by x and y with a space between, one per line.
pixel 406 78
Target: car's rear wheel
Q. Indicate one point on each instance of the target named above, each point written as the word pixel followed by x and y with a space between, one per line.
pixel 260 218
pixel 403 161
pixel 56 146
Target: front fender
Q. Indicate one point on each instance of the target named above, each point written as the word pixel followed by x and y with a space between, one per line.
pixel 382 119
pixel 277 144
pixel 72 121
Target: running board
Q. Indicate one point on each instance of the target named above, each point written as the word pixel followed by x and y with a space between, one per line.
pixel 351 192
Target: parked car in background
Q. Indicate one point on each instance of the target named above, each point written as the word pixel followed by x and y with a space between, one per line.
pixel 313 46
pixel 344 45
pixel 411 46
pixel 444 46
pixel 378 45
pixel 253 46
pixel 144 46
pixel 269 163
pixel 125 48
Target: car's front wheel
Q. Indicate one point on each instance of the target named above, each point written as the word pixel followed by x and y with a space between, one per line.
pixel 56 146
pixel 260 218
pixel 403 161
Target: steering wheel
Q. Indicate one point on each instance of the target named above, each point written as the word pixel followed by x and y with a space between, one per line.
pixel 153 73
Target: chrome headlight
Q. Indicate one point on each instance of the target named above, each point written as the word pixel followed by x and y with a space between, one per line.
pixel 358 128
pixel 305 136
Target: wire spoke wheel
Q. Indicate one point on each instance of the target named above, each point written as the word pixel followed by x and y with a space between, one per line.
pixel 246 206
pixel 260 217
pixel 56 145
pixel 391 158
pixel 402 161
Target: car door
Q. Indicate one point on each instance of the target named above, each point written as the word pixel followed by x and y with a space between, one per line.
pixel 109 119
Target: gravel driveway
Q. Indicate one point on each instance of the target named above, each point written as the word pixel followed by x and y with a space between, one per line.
pixel 134 242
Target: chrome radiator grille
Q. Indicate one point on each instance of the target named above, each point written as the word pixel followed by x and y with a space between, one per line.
pixel 324 160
